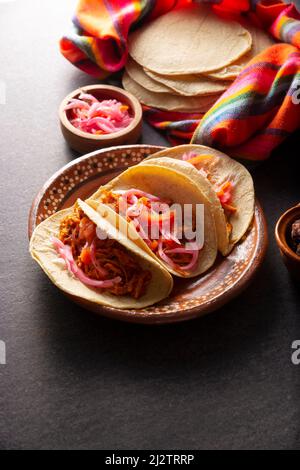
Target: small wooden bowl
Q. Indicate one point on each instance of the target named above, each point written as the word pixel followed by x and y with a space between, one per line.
pixel 84 142
pixel 282 234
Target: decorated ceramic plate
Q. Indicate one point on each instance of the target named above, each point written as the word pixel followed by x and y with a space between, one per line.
pixel 190 298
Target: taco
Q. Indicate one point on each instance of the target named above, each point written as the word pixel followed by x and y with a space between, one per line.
pixel 86 256
pixel 226 183
pixel 170 215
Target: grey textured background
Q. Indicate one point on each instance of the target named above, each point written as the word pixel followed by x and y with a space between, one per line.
pixel 73 380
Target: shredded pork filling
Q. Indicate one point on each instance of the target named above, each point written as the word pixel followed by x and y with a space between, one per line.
pixel 102 260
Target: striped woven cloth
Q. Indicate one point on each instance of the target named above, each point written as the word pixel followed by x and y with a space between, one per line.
pixel 258 111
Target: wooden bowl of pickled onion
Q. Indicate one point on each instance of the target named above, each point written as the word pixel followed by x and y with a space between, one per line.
pixel 87 126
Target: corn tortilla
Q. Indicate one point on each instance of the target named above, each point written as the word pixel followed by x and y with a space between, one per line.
pixel 44 254
pixel 168 102
pixel 189 85
pixel 137 73
pixel 260 41
pixel 187 41
pixel 169 184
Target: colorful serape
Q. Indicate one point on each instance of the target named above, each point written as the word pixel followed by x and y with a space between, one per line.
pixel 260 109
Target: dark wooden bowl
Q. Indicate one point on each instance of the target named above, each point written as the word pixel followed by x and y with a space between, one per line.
pixel 282 234
pixel 190 298
pixel 84 142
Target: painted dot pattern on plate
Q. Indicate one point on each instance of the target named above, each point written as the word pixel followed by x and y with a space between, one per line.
pixel 82 171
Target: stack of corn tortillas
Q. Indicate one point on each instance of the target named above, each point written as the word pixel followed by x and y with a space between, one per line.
pixel 185 59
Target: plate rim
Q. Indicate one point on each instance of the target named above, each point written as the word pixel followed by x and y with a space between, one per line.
pixel 164 317
pixel 38 197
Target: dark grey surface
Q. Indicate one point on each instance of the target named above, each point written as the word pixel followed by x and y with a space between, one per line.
pixel 73 380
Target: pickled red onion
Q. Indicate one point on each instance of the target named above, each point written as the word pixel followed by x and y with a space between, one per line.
pixel 90 115
pixel 182 250
pixel 65 252
pixel 139 193
pixel 188 155
pixel 88 97
pixel 141 231
pixel 142 216
pixel 134 210
pixel 190 266
pixel 225 193
pixel 165 257
pixel 75 103
pixel 170 236
pixel 193 246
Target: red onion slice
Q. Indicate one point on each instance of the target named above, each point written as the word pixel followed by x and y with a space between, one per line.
pixel 65 253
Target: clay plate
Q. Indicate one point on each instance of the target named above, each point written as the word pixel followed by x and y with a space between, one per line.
pixel 191 298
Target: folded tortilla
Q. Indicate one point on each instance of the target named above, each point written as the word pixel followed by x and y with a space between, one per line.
pixel 187 85
pixel 187 41
pixel 261 40
pixel 137 73
pixel 219 169
pixel 42 251
pixel 168 101
pixel 167 184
